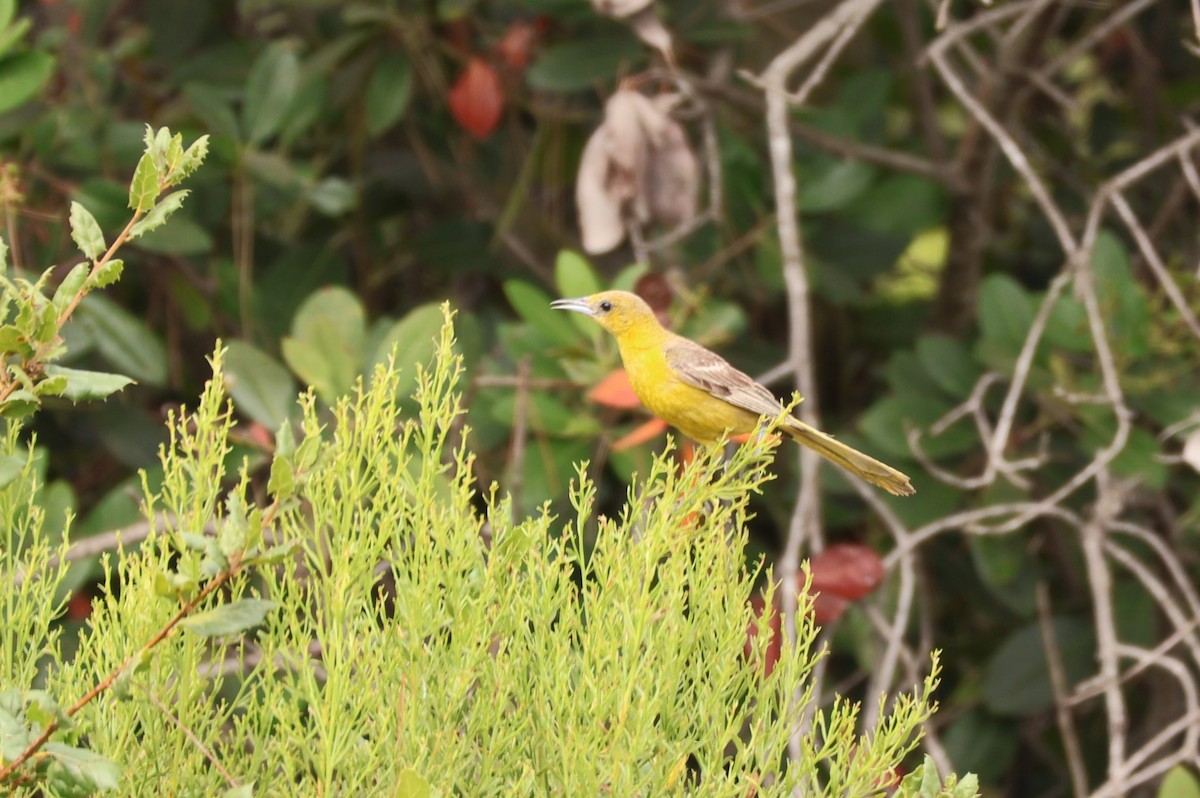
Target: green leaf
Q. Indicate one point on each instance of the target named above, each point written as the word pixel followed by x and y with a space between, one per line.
pixel 1140 459
pixel 22 76
pixel 967 787
pixel 903 204
pixel 1007 568
pixel 277 554
pixel 1067 325
pixel 174 152
pixel 574 277
pixel 547 414
pixel 931 783
pixel 332 196
pixel 8 10
pixel 533 305
pixel 124 340
pixel 244 791
pixel 584 63
pixel 51 386
pixel 18 404
pixel 15 735
pixel 140 662
pixel 948 362
pixel 980 742
pixel 85 230
pixel 11 34
pixel 71 285
pixel 1122 299
pixel 1179 783
pixel 259 384
pixel 229 619
pixel 42 709
pixel 11 467
pixel 231 538
pixel 158 142
pixel 88 385
pixel 549 469
pixel 310 104
pixel 413 339
pixel 10 338
pixel 388 92
pixel 282 482
pixel 270 86
pixel 47 325
pixel 158 215
pixel 326 346
pixel 193 156
pixel 1017 680
pixel 1136 613
pixel 183 237
pixel 1005 315
pixel 143 189
pixel 411 784
pixel 77 771
pixel 107 274
pixel 211 106
pixel 834 185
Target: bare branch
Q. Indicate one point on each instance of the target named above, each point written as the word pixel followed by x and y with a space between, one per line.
pixel 1058 681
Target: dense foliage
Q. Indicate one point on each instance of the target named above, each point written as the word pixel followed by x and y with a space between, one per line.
pixel 998 222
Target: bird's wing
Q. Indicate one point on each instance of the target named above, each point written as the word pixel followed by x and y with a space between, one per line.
pixel 710 372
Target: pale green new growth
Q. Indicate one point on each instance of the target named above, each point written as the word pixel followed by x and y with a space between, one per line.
pixel 399 650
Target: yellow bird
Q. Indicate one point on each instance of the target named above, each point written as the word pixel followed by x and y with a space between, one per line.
pixel 698 392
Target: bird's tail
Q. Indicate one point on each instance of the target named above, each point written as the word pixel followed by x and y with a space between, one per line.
pixel 849 458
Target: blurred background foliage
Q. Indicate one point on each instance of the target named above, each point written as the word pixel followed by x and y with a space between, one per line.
pixel 369 159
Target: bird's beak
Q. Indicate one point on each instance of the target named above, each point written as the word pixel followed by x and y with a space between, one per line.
pixel 579 305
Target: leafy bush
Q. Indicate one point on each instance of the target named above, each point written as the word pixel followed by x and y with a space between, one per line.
pixel 411 631
pixel 370 160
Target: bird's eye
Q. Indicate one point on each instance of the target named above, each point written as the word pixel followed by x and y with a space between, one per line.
pixel 606 306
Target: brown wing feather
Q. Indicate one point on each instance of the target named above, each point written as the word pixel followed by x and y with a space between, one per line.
pixel 710 372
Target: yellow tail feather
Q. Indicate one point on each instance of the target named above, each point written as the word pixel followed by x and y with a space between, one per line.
pixel 849 458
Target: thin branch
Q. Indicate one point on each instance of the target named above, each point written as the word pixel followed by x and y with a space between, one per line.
pixel 196 741
pixel 1108 506
pixel 1135 770
pixel 1096 35
pixel 1007 144
pixel 1062 690
pixel 1175 614
pixel 52 726
pixel 516 449
pixel 899 160
pixel 805 520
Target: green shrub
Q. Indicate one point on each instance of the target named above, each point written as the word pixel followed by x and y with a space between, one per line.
pixel 408 631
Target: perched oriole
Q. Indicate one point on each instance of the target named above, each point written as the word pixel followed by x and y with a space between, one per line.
pixel 698 392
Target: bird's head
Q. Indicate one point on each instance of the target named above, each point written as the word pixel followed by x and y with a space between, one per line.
pixel 615 311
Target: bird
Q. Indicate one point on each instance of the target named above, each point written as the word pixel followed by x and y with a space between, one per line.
pixel 699 393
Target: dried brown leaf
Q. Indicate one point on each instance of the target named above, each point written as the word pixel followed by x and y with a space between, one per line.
pixel 628 150
pixel 621 8
pixel 671 181
pixel 600 223
pixel 637 165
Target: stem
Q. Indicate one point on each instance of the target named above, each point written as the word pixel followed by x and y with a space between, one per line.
pixel 220 579
pixel 121 238
pixel 51 727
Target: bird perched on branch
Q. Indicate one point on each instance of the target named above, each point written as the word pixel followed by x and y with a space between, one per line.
pixel 698 392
